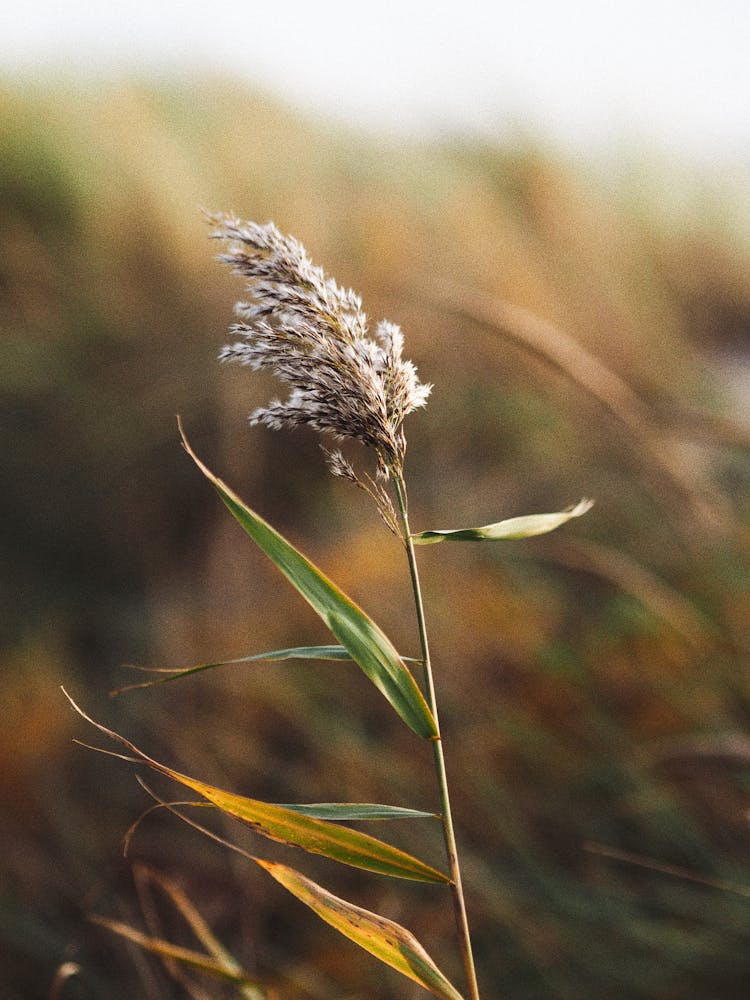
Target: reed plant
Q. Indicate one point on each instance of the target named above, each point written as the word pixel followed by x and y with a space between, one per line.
pixel 347 385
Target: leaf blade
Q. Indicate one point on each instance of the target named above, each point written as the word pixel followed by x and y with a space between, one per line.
pixel 208 964
pixel 337 811
pixel 316 836
pixel 293 653
pixel 355 630
pixel 388 941
pixel 511 528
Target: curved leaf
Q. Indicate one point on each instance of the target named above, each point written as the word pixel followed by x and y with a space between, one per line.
pixel 386 940
pixel 356 811
pixel 512 527
pixel 349 847
pixel 357 632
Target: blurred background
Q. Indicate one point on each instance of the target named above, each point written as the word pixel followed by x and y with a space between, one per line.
pixel 553 203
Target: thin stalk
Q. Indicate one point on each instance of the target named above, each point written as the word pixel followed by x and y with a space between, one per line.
pixel 459 904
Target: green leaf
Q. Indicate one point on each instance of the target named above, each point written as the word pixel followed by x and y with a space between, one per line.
pixel 357 632
pixel 386 940
pixel 356 811
pixel 513 527
pixel 316 836
pixel 296 653
pixel 303 653
pixel 167 674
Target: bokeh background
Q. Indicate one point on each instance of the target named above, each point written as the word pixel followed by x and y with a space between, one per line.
pixel 555 210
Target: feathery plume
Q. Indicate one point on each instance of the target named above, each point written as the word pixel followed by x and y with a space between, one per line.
pixel 314 336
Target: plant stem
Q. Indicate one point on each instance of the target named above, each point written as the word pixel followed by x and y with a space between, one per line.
pixel 459 904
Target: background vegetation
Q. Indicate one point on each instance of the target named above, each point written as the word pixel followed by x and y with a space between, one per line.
pixel 593 685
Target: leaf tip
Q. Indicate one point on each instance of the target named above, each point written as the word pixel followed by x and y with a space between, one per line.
pixel 183 435
pixel 582 507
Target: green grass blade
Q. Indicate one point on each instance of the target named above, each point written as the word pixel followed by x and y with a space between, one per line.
pixel 366 642
pixel 389 942
pixel 356 811
pixel 304 653
pixel 512 527
pixel 296 653
pixel 315 836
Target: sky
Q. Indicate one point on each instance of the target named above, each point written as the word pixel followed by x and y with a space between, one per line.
pixel 586 73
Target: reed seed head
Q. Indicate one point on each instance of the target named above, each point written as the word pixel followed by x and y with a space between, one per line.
pixel 313 335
